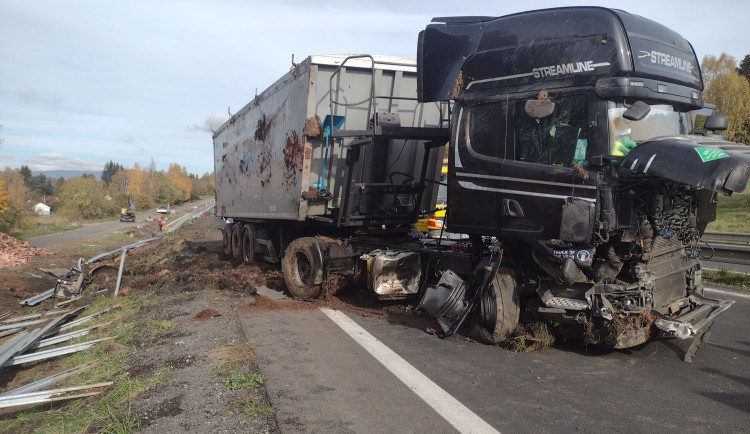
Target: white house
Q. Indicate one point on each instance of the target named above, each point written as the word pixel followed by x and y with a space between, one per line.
pixel 41 209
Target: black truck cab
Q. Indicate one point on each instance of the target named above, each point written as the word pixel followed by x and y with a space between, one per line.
pixel 572 141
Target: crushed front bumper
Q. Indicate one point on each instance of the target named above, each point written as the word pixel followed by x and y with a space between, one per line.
pixel 694 324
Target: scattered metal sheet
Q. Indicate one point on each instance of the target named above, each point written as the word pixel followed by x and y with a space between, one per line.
pixel 56 312
pixel 39 333
pixel 52 379
pixel 5 333
pixel 20 324
pixel 79 321
pixel 5 315
pixel 32 301
pixel 68 336
pixel 53 395
pixel 23 318
pixel 11 348
pixel 55 352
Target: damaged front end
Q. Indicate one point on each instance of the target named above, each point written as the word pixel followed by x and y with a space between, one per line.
pixel 644 278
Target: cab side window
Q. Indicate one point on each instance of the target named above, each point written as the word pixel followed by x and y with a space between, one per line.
pixel 556 140
pixel 486 127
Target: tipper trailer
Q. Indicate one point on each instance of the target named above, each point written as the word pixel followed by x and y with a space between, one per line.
pixel 573 168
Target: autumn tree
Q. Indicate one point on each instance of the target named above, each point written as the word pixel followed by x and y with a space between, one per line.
pixel 730 92
pixel 120 182
pixel 178 177
pixel 16 215
pixel 84 197
pixel 3 197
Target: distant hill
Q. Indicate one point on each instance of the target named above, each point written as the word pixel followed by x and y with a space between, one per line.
pixel 67 174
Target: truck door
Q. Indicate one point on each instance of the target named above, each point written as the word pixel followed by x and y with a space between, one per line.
pixel 538 170
pixel 475 163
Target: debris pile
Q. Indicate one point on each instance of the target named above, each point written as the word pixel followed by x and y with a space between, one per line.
pixel 43 343
pixel 15 252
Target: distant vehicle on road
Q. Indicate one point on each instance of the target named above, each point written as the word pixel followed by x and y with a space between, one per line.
pixel 127 213
pixel 163 208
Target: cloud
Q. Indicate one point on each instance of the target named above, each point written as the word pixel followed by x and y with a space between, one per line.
pixel 126 138
pixel 32 96
pixel 212 122
pixel 51 156
pixel 56 161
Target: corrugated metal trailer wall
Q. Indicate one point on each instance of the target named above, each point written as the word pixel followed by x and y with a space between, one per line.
pixel 267 168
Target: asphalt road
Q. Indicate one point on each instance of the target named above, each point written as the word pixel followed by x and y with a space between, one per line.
pixel 321 380
pixel 94 231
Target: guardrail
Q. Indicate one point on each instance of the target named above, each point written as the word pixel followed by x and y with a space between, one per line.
pixel 728 247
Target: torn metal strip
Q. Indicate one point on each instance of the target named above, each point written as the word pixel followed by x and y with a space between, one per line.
pixel 68 336
pixel 40 333
pixel 20 324
pixel 11 348
pixel 5 315
pixel 78 322
pixel 23 318
pixel 55 352
pixel 52 379
pixel 5 333
pixel 53 395
pixel 32 301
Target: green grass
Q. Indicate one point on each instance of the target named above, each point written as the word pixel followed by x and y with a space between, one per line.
pixel 723 276
pixel 244 381
pixel 255 411
pixel 44 225
pixel 107 412
pixel 44 229
pixel 732 213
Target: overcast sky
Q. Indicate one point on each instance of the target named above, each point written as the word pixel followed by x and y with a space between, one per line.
pixel 82 82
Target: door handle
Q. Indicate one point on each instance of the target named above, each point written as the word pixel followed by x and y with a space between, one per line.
pixel 512 208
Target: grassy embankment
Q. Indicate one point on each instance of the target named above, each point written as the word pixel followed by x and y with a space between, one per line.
pixel 732 213
pixel 724 277
pixel 44 225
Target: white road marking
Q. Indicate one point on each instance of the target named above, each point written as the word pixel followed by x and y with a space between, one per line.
pixel 455 413
pixel 732 293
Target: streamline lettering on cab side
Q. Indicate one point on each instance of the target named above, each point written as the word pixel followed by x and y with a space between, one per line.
pixel 659 58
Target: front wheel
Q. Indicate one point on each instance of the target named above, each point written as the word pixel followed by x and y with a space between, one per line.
pixel 499 308
pixel 302 266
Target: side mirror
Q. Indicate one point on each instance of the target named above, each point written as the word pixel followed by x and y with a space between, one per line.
pixel 637 111
pixel 717 123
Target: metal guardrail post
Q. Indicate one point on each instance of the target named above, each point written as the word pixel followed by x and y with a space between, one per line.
pixel 119 274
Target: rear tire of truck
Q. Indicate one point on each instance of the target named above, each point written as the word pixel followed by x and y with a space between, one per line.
pixel 498 310
pixel 237 241
pixel 226 239
pixel 302 267
pixel 248 244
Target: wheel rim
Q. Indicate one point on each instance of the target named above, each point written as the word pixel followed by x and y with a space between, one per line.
pixel 304 268
pixel 488 309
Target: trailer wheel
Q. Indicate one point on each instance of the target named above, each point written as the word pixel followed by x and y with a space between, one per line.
pixel 226 239
pixel 237 241
pixel 498 310
pixel 248 244
pixel 302 266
